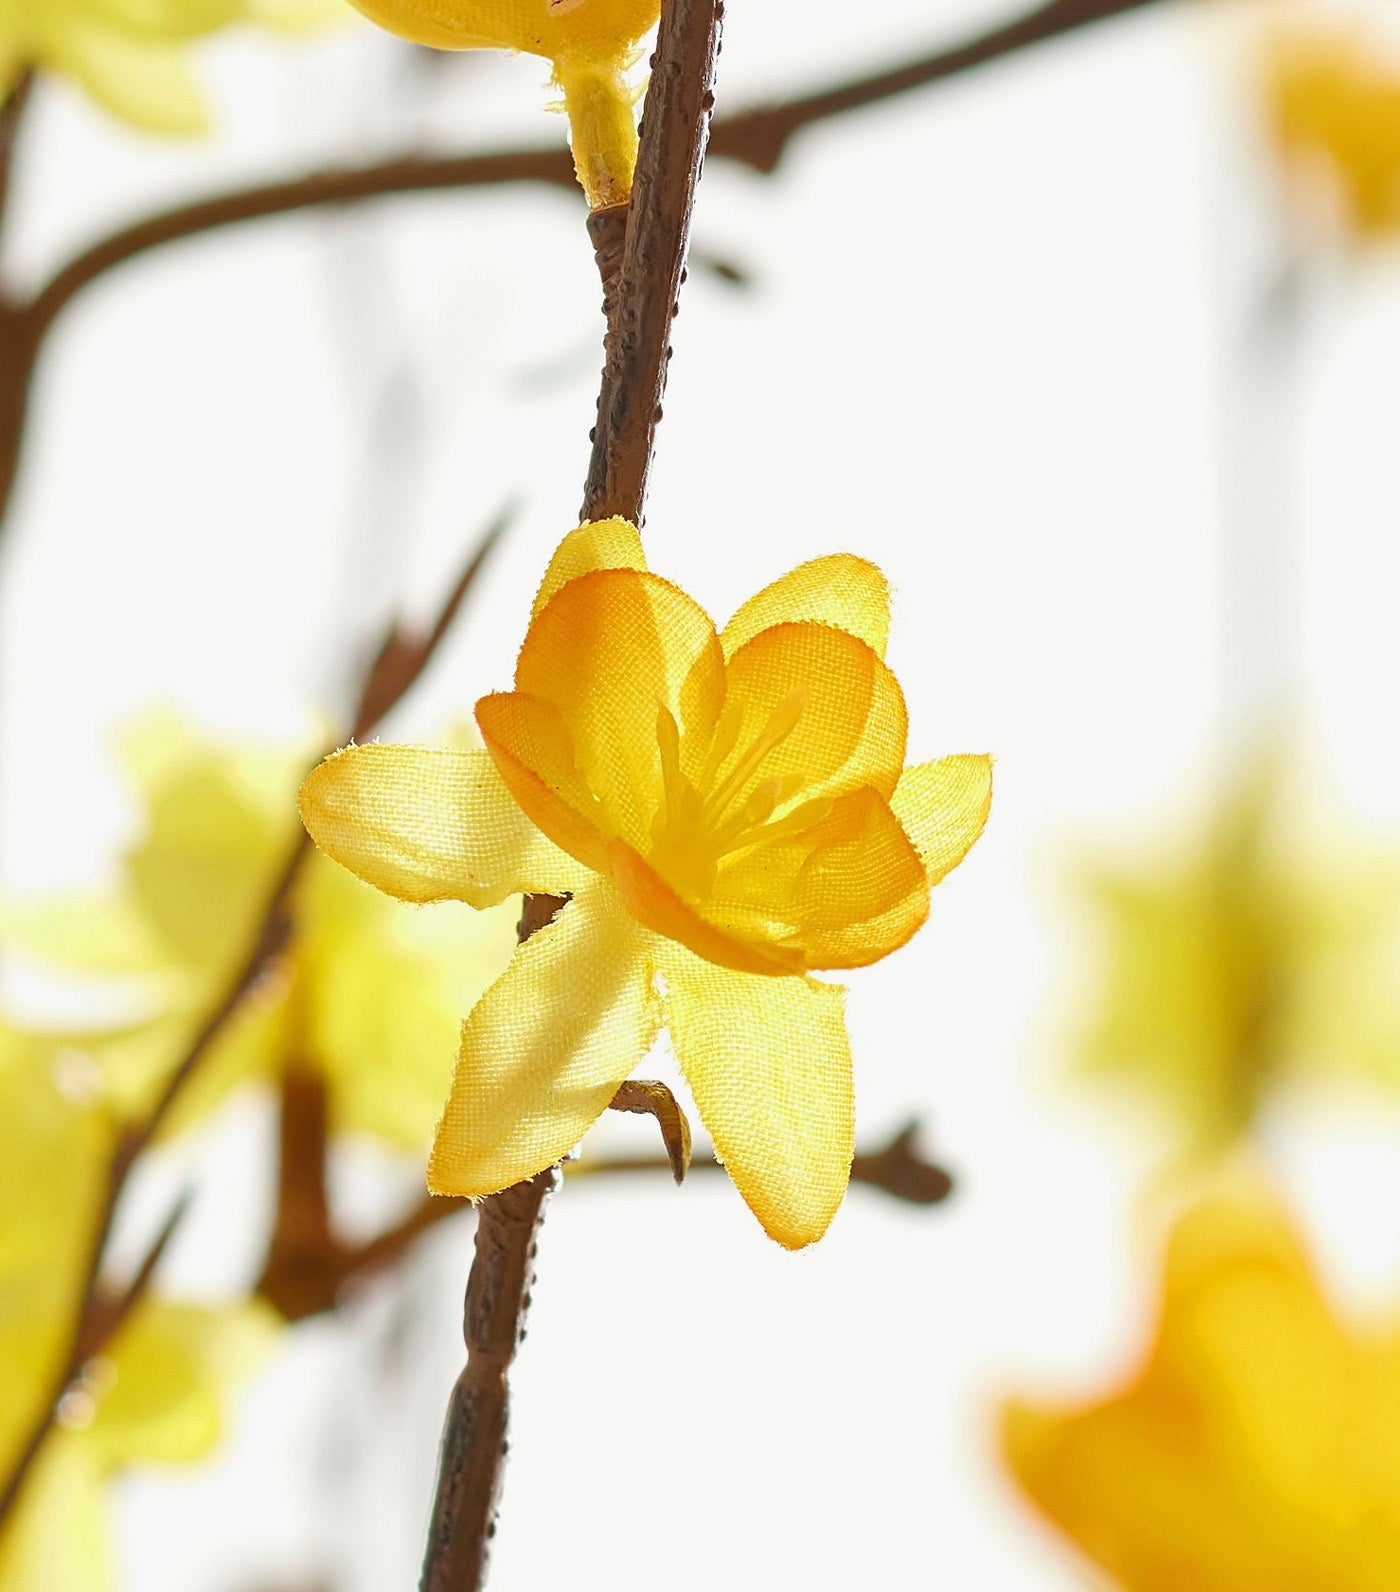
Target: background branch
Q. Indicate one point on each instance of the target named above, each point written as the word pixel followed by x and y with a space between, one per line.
pixel 384 683
pixel 757 138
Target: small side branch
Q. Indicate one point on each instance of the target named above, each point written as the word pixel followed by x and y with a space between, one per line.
pixel 96 1321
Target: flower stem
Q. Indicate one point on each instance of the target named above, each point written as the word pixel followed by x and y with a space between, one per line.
pixel 602 130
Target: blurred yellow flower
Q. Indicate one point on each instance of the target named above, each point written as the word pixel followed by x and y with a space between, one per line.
pixel 728 811
pixel 155 1394
pixel 368 993
pixel 591 43
pixel 1253 954
pixel 1332 96
pixel 131 56
pixel 1255 1449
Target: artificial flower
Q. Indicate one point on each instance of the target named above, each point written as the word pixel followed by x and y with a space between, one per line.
pixel 367 993
pixel 131 56
pixel 155 1394
pixel 1258 952
pixel 591 43
pixel 1332 97
pixel 1254 1448
pixel 728 811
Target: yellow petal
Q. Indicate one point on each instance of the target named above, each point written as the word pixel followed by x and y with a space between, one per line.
pixel 166 19
pixel 845 891
pixel 382 988
pixel 769 1065
pixel 530 744
pixel 862 892
pixel 171 1375
pixel 589 30
pixel 58 1539
pixel 651 901
pixel 943 807
pixel 145 83
pixel 609 651
pixel 852 727
pixel 296 16
pixel 89 935
pixel 424 824
pixel 1254 1448
pixel 840 589
pixel 596 544
pixel 545 1048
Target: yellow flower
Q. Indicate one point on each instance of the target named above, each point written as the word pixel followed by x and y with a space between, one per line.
pixel 591 43
pixel 131 55
pixel 1332 95
pixel 728 811
pixel 1256 1447
pixel 368 993
pixel 1251 956
pixel 155 1394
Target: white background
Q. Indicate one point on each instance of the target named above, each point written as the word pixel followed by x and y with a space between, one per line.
pixel 995 342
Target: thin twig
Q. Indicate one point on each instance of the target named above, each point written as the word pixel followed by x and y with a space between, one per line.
pixel 756 138
pixel 93 1325
pixel 897 1169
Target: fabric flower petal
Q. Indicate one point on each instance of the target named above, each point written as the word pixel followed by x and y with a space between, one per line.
pixel 529 742
pixel 651 901
pixel 143 82
pixel 769 1065
pixel 545 1048
pixel 840 589
pixel 425 824
pixel 596 544
pixel 847 889
pixel 594 30
pixel 58 1538
pixel 172 1370
pixel 166 19
pixel 852 726
pixel 943 807
pixel 610 650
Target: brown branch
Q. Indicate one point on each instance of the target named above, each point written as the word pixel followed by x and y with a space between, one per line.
pixel 756 138
pixel 645 1097
pixel 474 1432
pixel 896 1168
pixel 95 1321
pixel 759 137
pixel 311 1280
pixel 654 229
pixel 638 345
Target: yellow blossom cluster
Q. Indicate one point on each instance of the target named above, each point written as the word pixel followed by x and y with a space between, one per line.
pixel 366 994
pixel 1253 954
